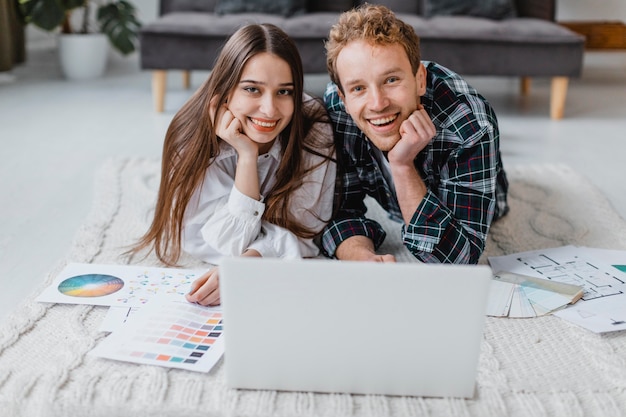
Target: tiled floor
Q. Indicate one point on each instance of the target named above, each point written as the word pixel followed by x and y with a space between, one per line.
pixel 55 134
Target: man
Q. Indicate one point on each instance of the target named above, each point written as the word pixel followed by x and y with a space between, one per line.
pixel 415 137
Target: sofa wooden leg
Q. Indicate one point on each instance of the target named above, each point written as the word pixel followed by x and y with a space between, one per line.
pixel 524 86
pixel 557 97
pixel 186 79
pixel 159 83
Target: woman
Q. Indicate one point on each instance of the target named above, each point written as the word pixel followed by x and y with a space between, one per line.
pixel 248 162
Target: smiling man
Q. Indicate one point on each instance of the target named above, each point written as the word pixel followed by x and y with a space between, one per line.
pixel 414 136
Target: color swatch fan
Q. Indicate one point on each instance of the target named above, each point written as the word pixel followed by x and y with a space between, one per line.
pixel 522 296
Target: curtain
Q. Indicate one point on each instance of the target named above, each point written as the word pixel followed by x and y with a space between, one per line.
pixel 12 39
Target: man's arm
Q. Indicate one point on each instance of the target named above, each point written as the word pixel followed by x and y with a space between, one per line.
pixel 451 223
pixel 410 189
pixel 415 134
pixel 361 248
pixel 459 169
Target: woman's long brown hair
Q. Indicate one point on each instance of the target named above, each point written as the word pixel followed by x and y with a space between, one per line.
pixel 191 143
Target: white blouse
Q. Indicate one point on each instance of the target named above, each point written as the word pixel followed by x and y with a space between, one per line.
pixel 221 221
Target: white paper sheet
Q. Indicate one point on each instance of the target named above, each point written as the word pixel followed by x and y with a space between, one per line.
pixel 116 285
pixel 117 317
pixel 603 306
pixel 499 301
pixel 168 332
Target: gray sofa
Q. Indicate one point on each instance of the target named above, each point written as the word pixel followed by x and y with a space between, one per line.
pixel 522 42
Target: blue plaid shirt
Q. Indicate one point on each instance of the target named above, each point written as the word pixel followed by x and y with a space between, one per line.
pixel 461 167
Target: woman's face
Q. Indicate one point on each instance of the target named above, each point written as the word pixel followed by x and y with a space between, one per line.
pixel 263 100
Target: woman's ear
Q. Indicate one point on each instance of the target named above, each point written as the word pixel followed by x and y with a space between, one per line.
pixel 214 108
pixel 420 80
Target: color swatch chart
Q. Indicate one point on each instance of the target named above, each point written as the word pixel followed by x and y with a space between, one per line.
pixel 171 333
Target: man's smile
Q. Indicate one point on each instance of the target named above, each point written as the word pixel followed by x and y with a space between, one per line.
pixel 383 121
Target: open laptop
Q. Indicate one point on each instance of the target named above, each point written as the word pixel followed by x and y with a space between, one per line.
pixel 353 327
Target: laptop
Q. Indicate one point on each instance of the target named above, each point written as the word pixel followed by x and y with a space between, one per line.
pixel 353 327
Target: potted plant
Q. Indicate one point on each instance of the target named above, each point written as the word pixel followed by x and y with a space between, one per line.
pixel 114 20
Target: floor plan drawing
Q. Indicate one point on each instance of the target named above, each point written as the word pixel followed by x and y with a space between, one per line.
pixel 602 307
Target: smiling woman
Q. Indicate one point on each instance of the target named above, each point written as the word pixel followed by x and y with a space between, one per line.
pixel 248 162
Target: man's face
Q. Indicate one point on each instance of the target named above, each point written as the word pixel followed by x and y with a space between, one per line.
pixel 380 90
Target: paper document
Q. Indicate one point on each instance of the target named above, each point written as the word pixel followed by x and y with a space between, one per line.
pixel 170 333
pixel 116 285
pixel 602 307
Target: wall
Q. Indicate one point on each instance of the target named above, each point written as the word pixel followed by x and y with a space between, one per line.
pixel 591 10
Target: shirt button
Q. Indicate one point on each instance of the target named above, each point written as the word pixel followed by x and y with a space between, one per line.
pixel 256 213
pixel 266 156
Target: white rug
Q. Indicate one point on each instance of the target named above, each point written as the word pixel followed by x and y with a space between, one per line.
pixel 528 367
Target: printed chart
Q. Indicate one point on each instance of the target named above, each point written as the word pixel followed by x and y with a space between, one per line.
pixel 170 333
pixel 603 304
pixel 90 285
pixel 116 285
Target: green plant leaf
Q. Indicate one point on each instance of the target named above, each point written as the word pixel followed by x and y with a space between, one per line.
pixel 46 14
pixel 117 20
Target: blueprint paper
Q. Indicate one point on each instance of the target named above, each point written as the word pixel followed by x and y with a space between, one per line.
pixel 602 307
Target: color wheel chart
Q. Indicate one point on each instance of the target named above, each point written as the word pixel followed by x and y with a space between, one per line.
pixel 168 333
pixel 116 285
pixel 90 285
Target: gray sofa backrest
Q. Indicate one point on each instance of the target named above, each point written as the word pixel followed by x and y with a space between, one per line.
pixel 398 6
pixel 168 6
pixel 330 5
pixel 541 9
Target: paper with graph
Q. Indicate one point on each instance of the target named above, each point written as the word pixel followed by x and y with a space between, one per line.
pixel 602 307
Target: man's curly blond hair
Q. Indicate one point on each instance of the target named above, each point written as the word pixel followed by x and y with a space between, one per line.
pixel 375 24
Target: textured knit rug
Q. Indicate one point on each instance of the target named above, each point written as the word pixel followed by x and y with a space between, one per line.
pixel 528 367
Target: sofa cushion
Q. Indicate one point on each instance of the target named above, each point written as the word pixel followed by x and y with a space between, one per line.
pixel 398 6
pixel 280 7
pixel 492 9
pixel 481 46
pixel 329 5
pixel 169 6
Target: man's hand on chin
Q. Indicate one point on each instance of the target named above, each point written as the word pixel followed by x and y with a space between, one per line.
pixel 416 133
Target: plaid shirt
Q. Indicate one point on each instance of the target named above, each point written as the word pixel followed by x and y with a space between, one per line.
pixel 461 168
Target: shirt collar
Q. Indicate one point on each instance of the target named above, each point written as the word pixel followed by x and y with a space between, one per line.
pixel 227 151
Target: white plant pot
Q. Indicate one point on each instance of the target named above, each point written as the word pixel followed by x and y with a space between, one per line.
pixel 83 56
